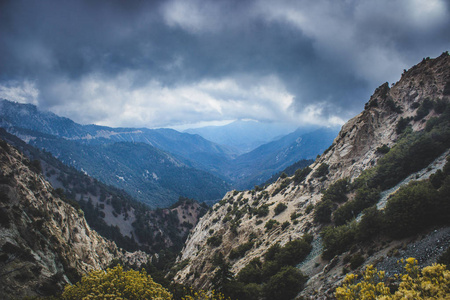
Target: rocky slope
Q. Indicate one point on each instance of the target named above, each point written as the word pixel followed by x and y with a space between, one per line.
pixel 44 241
pixel 112 212
pixel 241 216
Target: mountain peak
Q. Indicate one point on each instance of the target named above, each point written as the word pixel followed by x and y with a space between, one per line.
pixel 255 221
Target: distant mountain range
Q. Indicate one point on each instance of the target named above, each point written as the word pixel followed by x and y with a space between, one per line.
pixel 157 166
pixel 244 136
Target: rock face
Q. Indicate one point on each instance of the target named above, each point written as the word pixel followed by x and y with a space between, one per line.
pixel 236 218
pixel 44 241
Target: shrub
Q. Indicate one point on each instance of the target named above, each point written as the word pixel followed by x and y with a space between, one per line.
pixel 214 240
pixel 383 149
pixel 294 216
pixel 401 125
pixel 371 224
pixel 252 272
pixel 432 282
pixel 356 260
pixel 293 252
pixel 323 210
pixel 439 106
pixel 321 171
pixel 116 283
pixel 301 174
pixel 241 250
pixel 270 224
pixel 262 211
pixel 412 208
pixel 364 198
pixel 393 106
pixel 338 239
pixel 280 208
pixel 285 225
pixel 337 191
pixel 286 284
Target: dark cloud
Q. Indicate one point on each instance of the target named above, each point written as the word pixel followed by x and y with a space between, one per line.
pixel 113 61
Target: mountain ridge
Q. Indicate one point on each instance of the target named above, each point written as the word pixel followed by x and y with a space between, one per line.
pixel 62 136
pixel 45 242
pixel 291 206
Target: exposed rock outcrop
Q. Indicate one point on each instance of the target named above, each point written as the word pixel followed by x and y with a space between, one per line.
pixel 237 218
pixel 44 241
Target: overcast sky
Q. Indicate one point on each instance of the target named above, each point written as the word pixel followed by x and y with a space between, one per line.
pixel 171 63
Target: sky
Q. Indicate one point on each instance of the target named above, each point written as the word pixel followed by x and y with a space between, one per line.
pixel 186 63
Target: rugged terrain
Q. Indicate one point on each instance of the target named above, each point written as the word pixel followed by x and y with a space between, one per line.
pixel 44 241
pixel 157 166
pixel 112 212
pixel 391 116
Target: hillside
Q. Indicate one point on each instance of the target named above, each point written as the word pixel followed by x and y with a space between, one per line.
pixel 244 136
pixel 44 241
pixel 257 166
pixel 117 156
pixel 112 212
pixel 403 133
pixel 148 174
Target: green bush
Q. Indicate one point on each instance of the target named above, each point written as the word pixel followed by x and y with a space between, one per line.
pixel 262 211
pixel 323 210
pixel 383 149
pixel 293 252
pixel 321 171
pixel 276 272
pixel 364 198
pixel 411 209
pixel 214 241
pixel 241 250
pixel 280 208
pixel 338 239
pixel 301 174
pixel 270 224
pixel 401 125
pixel 286 284
pixel 424 109
pixel 371 224
pixel 356 260
pixel 439 106
pixel 337 191
pixel 252 272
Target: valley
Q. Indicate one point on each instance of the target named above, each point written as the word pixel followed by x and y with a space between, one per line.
pixel 157 166
pixel 378 192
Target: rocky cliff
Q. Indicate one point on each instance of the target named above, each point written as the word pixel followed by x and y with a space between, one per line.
pixel 241 217
pixel 44 241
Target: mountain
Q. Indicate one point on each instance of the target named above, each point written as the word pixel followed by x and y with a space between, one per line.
pixel 112 212
pixel 244 136
pixel 289 170
pixel 192 147
pixel 181 164
pixel 380 193
pixel 257 166
pixel 44 241
pixel 148 174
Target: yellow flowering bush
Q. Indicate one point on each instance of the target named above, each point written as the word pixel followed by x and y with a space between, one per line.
pixel 204 295
pixel 116 284
pixel 432 282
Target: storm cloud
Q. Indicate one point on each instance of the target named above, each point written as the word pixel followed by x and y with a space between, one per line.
pixel 171 63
